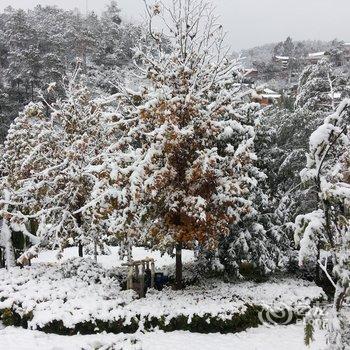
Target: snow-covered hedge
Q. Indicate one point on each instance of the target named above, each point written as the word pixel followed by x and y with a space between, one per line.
pixel 79 295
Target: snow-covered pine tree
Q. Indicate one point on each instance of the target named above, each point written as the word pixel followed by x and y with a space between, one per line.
pixel 259 243
pixel 114 52
pixel 324 234
pixel 183 168
pixel 319 88
pixel 47 166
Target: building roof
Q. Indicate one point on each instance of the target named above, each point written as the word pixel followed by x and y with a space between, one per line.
pixel 266 93
pixel 282 58
pixel 316 55
pixel 272 96
pixel 248 71
pixel 269 91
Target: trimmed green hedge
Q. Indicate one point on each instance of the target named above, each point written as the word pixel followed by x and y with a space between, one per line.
pixel 199 324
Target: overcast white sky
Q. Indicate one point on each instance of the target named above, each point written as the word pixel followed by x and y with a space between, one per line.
pixel 248 22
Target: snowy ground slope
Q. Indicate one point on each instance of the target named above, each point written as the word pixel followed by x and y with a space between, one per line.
pixel 79 290
pixel 113 260
pixel 262 338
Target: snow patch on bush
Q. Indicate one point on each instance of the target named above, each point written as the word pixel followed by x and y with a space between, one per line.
pixel 75 291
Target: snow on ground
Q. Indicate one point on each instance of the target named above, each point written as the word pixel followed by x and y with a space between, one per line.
pixel 222 300
pixel 79 290
pixel 113 260
pixel 262 338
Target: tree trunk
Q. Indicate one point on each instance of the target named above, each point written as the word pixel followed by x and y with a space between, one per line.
pixel 178 280
pixel 95 249
pixel 318 268
pixel 10 260
pixel 6 237
pixel 80 249
pixel 18 93
pixel 80 245
pixel 339 297
pixel 32 91
pixel 328 222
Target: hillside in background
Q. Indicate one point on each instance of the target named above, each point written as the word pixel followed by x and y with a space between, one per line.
pixel 265 52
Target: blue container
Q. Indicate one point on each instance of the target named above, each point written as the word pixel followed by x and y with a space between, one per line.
pixel 160 280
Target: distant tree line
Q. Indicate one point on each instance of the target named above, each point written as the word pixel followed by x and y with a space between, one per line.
pixel 41 46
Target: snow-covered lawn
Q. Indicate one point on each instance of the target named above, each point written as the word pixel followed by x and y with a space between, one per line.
pixel 262 338
pixel 77 291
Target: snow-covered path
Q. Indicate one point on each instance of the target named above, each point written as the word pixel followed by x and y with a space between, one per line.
pixel 262 338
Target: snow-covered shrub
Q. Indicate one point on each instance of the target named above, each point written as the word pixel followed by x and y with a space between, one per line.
pixel 86 270
pixel 74 291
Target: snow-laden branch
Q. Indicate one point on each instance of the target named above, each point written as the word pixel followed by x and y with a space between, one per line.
pixel 324 269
